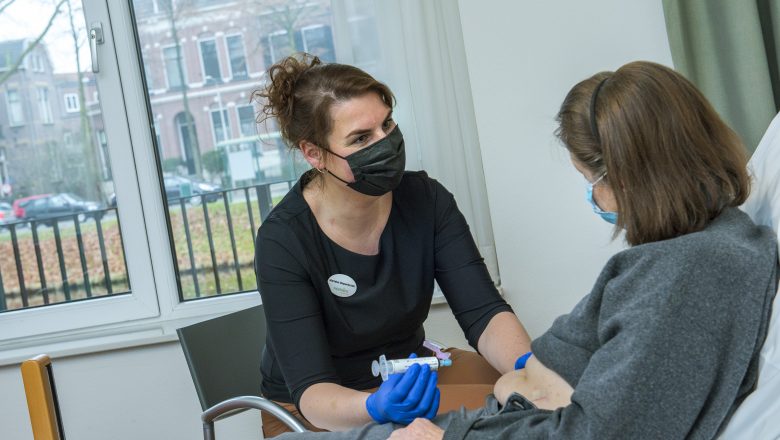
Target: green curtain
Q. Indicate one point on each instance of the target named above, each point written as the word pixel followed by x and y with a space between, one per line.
pixel 729 49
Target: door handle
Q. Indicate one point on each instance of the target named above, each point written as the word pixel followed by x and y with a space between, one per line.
pixel 95 38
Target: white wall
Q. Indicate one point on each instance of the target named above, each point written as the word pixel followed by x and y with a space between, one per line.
pixel 523 57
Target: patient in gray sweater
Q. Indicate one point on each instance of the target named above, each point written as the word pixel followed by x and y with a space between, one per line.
pixel 666 344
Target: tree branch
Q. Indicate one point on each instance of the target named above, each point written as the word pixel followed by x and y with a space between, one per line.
pixel 32 45
pixel 3 7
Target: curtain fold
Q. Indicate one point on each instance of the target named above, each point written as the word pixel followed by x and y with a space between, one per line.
pixel 729 49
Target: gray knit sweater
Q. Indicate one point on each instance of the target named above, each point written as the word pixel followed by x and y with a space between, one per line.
pixel 664 347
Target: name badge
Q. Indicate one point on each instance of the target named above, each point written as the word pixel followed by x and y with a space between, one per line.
pixel 342 285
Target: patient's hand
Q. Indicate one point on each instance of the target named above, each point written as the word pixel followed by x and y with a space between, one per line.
pixel 421 429
pixel 537 383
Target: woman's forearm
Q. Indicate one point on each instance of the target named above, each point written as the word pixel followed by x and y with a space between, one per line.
pixel 537 383
pixel 334 407
pixel 503 341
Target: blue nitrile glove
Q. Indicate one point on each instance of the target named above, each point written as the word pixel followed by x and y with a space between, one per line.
pixel 520 362
pixel 405 397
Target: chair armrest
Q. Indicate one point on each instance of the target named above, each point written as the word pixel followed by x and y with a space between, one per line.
pixel 244 402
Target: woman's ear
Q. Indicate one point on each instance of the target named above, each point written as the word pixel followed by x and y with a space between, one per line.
pixel 313 154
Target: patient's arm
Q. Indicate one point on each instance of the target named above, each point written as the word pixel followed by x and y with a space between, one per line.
pixel 537 383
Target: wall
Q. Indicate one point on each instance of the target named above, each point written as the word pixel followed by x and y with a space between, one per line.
pixel 523 57
pixel 550 245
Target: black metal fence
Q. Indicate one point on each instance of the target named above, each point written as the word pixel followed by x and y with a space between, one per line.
pixel 222 262
pixel 62 259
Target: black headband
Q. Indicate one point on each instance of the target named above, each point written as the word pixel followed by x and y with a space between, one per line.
pixel 594 129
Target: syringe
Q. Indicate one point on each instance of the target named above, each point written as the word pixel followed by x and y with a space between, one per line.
pixel 387 367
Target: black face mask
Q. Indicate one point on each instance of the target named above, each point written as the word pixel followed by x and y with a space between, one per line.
pixel 379 167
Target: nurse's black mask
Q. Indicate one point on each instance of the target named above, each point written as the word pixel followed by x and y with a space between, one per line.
pixel 379 167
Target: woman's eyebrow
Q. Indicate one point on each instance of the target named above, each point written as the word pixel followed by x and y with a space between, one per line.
pixel 367 130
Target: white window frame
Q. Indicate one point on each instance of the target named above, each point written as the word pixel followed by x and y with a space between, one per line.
pixel 14 119
pixel 224 121
pixel 72 104
pixel 203 62
pixel 238 118
pixel 165 66
pixel 243 52
pixel 271 44
pixel 303 34
pixel 44 105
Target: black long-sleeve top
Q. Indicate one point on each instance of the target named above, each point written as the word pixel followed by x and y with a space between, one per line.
pixel 330 331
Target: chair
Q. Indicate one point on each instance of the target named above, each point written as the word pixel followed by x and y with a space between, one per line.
pixel 223 355
pixel 42 399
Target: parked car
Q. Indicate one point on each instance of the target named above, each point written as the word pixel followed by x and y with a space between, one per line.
pixel 59 205
pixel 19 204
pixel 6 213
pixel 175 186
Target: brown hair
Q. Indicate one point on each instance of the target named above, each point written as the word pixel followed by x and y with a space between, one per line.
pixel 300 91
pixel 671 162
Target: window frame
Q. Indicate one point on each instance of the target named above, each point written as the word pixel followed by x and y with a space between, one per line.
pixel 213 40
pixel 72 108
pixel 243 53
pixel 44 105
pixel 165 66
pixel 9 106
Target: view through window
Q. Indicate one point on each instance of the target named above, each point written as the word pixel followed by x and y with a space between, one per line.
pixel 222 172
pixel 59 234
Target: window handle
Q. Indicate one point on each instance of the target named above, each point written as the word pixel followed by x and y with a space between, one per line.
pixel 95 38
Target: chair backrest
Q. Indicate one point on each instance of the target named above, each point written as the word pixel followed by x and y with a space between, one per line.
pixel 223 355
pixel 42 399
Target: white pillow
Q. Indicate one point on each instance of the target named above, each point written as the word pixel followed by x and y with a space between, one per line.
pixel 759 415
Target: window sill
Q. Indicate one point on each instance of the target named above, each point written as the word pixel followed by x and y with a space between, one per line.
pixel 136 333
pixel 123 335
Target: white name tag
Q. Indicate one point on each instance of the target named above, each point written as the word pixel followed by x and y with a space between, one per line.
pixel 342 285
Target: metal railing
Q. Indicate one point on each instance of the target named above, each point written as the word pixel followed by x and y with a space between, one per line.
pixel 49 260
pixel 59 259
pixel 221 261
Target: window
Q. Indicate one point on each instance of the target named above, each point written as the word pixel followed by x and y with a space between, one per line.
pixel 246 120
pixel 72 103
pixel 210 61
pixel 235 49
pixel 36 62
pixel 318 40
pixel 173 67
pixel 68 254
pixel 44 107
pixel 166 244
pixel 14 105
pixel 220 124
pixel 280 45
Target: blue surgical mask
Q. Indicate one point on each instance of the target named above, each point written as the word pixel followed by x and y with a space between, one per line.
pixel 609 217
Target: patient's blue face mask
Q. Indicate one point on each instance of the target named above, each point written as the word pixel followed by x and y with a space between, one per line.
pixel 609 217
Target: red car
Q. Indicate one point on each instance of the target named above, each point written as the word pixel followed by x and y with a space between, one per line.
pixel 18 205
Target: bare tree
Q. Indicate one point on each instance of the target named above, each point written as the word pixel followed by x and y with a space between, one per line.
pixel 93 188
pixel 175 13
pixel 18 62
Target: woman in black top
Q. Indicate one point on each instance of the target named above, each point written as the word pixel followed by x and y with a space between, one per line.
pixel 347 260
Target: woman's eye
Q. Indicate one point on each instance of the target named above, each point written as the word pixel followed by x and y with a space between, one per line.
pixel 388 123
pixel 360 139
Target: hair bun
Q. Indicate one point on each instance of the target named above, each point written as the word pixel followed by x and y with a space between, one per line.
pixel 278 95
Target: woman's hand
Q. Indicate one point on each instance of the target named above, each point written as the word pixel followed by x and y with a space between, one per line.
pixel 405 397
pixel 537 383
pixel 419 429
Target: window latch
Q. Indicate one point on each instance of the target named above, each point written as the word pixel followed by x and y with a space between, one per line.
pixel 95 38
